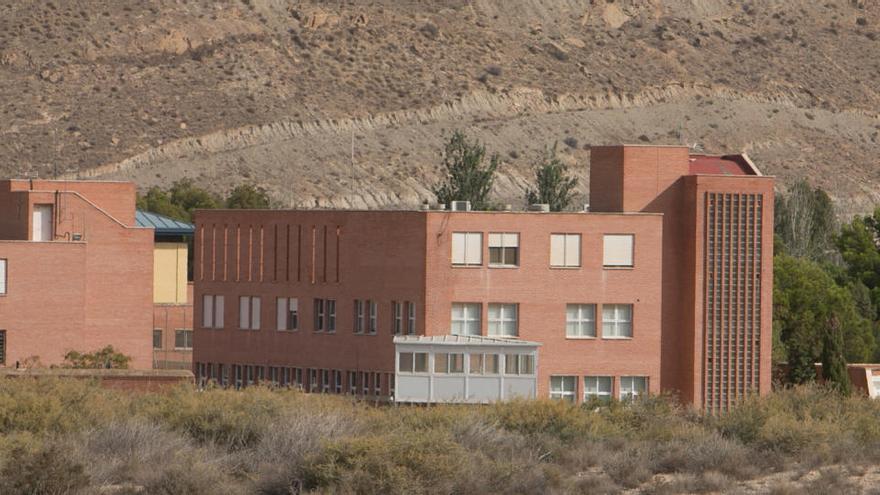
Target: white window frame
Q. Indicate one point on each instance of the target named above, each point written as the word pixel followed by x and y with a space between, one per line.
pixel 287 313
pixel 505 315
pixel 467 248
pixel 325 381
pixel 412 367
pixel 319 309
pixel 578 326
pixel 249 312
pixel 410 318
pixel 504 241
pixel 352 382
pixel 377 383
pixel 628 389
pixel 559 390
pixel 337 381
pixel 593 387
pixel 480 368
pixel 613 321
pixel 374 317
pixel 396 318
pixel 4 263
pixel 358 316
pixel 191 335
pixel 471 315
pixel 331 315
pixel 212 311
pixel 161 338
pixel 612 256
pixel 514 364
pixel 445 366
pixel 565 250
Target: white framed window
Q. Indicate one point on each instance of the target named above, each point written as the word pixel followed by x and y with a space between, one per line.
pixel 331 315
pixel 183 338
pixel 374 317
pixel 287 313
pixel 633 387
pixel 3 263
pixel 467 248
pixel 212 311
pixel 484 364
pixel 448 363
pixel 563 388
pixel 358 316
pixel 319 315
pixel 410 318
pixel 249 313
pixel 597 387
pixel 412 362
pixel 325 381
pixel 580 320
pixel 616 321
pixel 365 382
pixel 617 250
pixel 503 249
pixel 565 250
pixel 313 380
pixel 396 317
pixel 466 319
pixel 352 383
pixel 377 384
pixel 519 364
pixel 503 320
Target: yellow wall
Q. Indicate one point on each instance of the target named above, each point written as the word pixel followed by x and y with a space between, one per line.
pixel 169 273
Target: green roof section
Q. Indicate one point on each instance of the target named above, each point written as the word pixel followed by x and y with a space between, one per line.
pixel 163 224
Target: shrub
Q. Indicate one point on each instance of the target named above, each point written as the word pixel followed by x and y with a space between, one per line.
pixel 556 418
pixel 107 357
pixel 46 471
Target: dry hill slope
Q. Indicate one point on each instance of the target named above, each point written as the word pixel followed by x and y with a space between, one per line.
pixel 347 103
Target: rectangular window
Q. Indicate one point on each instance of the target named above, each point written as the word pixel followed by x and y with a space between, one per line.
pixel 157 338
pixel 325 381
pixel 580 320
pixel 352 383
pixel 413 362
pixel 410 318
pixel 503 320
pixel 519 364
pixel 183 339
pixel 358 316
pixel 3 347
pixel 597 387
pixel 483 364
pixel 616 321
pixel 448 363
pixel 365 383
pixel 377 384
pixel 207 311
pixel 374 316
pixel 633 387
pixel 319 315
pixel 503 249
pixel 563 388
pixel 287 313
pixel 466 319
pixel 337 381
pixel 331 315
pixel 218 311
pixel 249 313
pixel 396 317
pixel 2 276
pixel 565 250
pixel 618 250
pixel 467 248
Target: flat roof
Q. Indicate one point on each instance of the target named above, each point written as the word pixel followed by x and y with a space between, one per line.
pixel 462 340
pixel 722 165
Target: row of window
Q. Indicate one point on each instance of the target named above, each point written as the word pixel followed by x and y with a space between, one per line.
pixel 475 363
pixel 183 338
pixel 315 380
pixel 466 318
pixel 565 249
pixel 598 387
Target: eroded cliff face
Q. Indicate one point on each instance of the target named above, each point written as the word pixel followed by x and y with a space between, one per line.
pixel 348 105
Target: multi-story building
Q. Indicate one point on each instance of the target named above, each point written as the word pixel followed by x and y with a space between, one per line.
pixel 76 272
pixel 663 284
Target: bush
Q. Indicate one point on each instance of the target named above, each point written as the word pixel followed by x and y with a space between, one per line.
pixel 46 471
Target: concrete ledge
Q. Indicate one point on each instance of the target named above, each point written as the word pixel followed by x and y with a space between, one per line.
pixel 134 380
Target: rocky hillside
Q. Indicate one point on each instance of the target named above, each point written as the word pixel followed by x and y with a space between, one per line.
pixel 346 103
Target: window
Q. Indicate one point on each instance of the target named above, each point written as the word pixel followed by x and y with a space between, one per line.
pixel 616 321
pixel 2 276
pixel 287 313
pixel 249 313
pixel 413 362
pixel 183 339
pixel 319 315
pixel 337 381
pixel 503 249
pixel 466 319
pixel 597 387
pixel 519 364
pixel 467 248
pixel 410 318
pixel 563 388
pixel 325 381
pixel 565 250
pixel 365 383
pixel 448 363
pixel 2 346
pixel 358 316
pixel 503 320
pixel 618 250
pixel 377 384
pixel 157 338
pixel 352 383
pixel 580 320
pixel 313 380
pixel 483 364
pixel 212 311
pixel 396 317
pixel 331 315
pixel 374 316
pixel 632 387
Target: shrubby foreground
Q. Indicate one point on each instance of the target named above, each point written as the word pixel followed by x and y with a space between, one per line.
pixel 70 436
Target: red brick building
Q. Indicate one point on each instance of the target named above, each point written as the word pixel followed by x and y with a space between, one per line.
pixel 664 284
pixel 75 271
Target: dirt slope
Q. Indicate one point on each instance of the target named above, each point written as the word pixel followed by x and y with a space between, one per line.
pixel 347 103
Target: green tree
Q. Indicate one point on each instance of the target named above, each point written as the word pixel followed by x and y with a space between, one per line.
pixel 178 202
pixel 467 177
pixel 554 186
pixel 805 222
pixel 248 197
pixel 107 357
pixel 833 363
pixel 858 246
pixel 158 201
